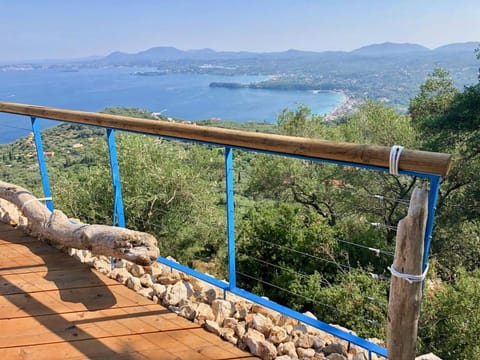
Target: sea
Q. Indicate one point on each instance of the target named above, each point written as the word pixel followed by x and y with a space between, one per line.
pixel 186 96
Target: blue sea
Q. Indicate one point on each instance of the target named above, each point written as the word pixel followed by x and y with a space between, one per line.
pixel 185 96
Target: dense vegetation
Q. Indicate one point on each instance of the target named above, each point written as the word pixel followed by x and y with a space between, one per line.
pixel 299 223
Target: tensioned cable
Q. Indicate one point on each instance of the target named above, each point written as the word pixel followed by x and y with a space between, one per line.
pixel 35 199
pixel 384 198
pixel 322 280
pixel 373 275
pixel 357 193
pixel 346 267
pixel 384 226
pixel 378 225
pixel 373 249
pixel 306 254
pixel 290 292
pixel 304 297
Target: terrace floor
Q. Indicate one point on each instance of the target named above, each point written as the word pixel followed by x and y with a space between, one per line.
pixel 54 307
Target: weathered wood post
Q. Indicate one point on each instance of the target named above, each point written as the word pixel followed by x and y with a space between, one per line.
pixel 406 291
pixel 135 246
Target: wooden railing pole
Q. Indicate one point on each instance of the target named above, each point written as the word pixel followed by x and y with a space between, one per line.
pixel 354 154
pixel 405 296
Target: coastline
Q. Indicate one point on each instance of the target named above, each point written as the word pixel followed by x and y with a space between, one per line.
pixel 347 105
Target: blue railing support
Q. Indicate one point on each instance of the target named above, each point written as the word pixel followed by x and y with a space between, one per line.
pixel 342 334
pixel 42 164
pixel 118 217
pixel 185 269
pixel 432 204
pixel 230 218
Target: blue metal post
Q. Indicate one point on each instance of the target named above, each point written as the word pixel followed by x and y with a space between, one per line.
pixel 118 214
pixel 232 279
pixel 432 205
pixel 37 136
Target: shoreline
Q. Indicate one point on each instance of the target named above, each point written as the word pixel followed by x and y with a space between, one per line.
pixel 347 105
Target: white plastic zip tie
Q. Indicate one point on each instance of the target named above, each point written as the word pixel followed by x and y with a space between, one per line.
pixel 34 199
pixel 409 277
pixel 395 152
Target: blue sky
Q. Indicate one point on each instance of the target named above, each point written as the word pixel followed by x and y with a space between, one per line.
pixel 46 29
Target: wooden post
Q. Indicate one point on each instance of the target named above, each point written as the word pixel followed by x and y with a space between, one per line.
pixel 406 297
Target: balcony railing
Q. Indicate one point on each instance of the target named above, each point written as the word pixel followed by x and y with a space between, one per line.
pixel 426 165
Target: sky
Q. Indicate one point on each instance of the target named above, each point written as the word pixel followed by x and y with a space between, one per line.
pixel 56 29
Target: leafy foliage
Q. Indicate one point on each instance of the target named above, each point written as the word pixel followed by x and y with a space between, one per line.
pixel 434 98
pixel 449 122
pixel 357 301
pixel 166 191
pixel 378 124
pixel 284 233
pixel 450 320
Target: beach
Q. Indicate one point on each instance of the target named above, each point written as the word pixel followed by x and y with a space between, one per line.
pixel 347 105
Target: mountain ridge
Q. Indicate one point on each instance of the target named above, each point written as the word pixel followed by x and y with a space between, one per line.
pixel 168 53
pixel 390 48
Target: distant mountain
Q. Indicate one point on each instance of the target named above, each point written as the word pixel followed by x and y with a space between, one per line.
pixel 291 53
pixel 160 54
pixel 156 53
pixel 389 48
pixel 168 53
pixel 458 47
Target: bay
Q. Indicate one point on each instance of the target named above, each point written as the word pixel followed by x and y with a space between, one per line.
pixel 184 96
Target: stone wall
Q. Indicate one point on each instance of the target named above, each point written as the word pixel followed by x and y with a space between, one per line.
pixel 249 326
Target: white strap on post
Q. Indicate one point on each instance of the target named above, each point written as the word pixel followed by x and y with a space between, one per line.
pixel 395 152
pixel 409 277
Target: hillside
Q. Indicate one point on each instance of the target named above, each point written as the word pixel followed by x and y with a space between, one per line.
pixel 389 48
pixel 388 72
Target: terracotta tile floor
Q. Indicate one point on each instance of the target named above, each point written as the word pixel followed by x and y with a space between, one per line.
pixel 53 307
